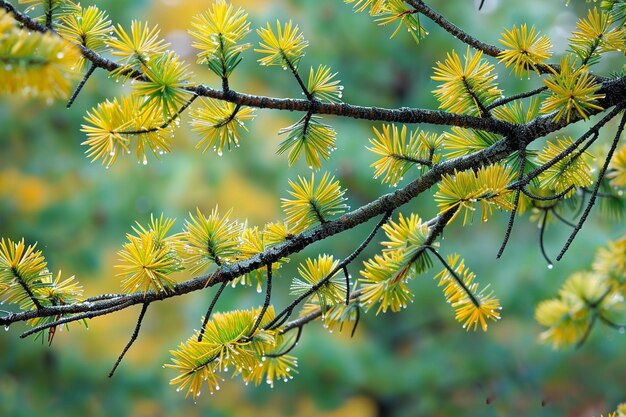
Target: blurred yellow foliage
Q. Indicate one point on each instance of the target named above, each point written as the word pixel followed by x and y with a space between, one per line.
pixel 29 194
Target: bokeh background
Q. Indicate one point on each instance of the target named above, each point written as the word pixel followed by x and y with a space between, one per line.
pixel 415 363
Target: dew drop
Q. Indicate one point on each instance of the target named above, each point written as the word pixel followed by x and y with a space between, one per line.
pixel 550 266
pixel 6 328
pixel 621 330
pixel 60 55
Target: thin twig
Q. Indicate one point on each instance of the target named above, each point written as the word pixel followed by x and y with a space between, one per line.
pixel 456 277
pixel 230 118
pixel 619 327
pixel 356 321
pixel 48 12
pixel 166 123
pixel 509 227
pixel 134 336
pixel 542 230
pixel 223 76
pixel 484 112
pixel 505 100
pixel 266 302
pixel 86 315
pixel 555 197
pixel 453 29
pixel 293 345
pixel 592 200
pixel 561 218
pixel 585 336
pixel 26 288
pixel 294 71
pixel 210 310
pixel 80 85
pixel 347 275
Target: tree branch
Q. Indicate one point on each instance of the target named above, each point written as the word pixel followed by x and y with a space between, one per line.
pixel 133 337
pixel 452 29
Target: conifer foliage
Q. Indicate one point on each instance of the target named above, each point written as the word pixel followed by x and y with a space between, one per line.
pixel 499 153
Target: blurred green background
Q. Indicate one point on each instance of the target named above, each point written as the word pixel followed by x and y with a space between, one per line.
pixel 416 363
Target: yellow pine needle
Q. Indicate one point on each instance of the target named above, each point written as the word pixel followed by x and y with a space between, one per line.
pixel 617 168
pixel 308 135
pixel 322 85
pixel 219 123
pixel 210 240
pixel 384 282
pixel 467 87
pixel 225 346
pixel 472 307
pixel 146 264
pixel 572 170
pixel 164 87
pixel 312 272
pixel 313 204
pixel 137 47
pixel 114 125
pixel 393 11
pixel 408 232
pixel 573 92
pixel 285 47
pixel 376 6
pixel 217 30
pixel 487 186
pixel 524 49
pixel 90 27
